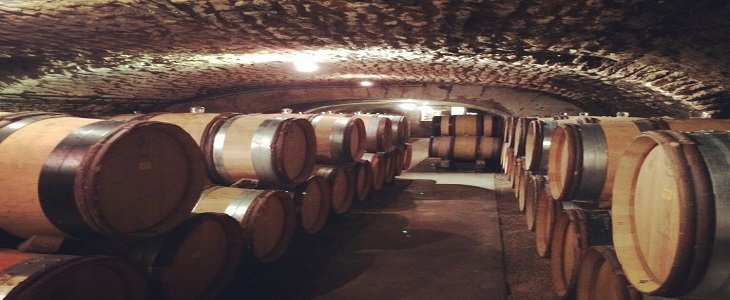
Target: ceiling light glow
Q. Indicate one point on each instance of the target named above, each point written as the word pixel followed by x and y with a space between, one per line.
pixel 366 83
pixel 306 66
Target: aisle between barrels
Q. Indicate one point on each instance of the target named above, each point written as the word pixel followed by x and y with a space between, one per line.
pixel 427 236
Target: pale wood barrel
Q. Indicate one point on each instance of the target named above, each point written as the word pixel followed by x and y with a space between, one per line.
pixel 440 126
pixel 588 172
pixel 520 137
pixel 534 190
pixel 266 217
pixel 256 147
pixel 340 139
pixel 520 184
pixel 28 276
pixel 362 178
pixel 575 231
pixel 464 147
pixel 84 177
pixel 401 129
pixel 407 156
pixel 195 260
pixel 378 164
pixel 467 125
pixel 600 277
pixel 508 131
pixel 313 199
pixel 538 140
pixel 341 183
pixel 670 209
pixel 546 213
pixel 378 132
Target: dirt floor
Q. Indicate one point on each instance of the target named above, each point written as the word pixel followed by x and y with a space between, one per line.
pixel 528 275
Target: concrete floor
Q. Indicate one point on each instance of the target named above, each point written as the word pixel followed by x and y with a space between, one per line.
pixel 433 234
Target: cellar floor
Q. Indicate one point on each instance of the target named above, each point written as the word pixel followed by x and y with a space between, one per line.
pixel 433 234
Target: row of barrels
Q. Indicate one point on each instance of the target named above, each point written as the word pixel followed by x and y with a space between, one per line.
pixel 658 187
pixel 149 191
pixel 466 137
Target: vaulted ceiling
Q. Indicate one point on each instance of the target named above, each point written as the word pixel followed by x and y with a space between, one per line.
pixel 100 57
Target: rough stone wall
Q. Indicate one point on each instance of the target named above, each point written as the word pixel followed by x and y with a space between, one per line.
pixel 98 57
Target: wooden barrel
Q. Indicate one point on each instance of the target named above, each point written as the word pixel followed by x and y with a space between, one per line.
pixel 407 156
pixel 362 179
pixel 520 184
pixel 341 184
pixel 313 200
pixel 196 260
pixel 378 163
pixel 392 165
pixel 600 277
pixel 584 162
pixel 464 147
pixel 508 131
pixel 506 158
pixel 534 190
pixel 538 140
pixel 401 129
pixel 520 137
pixel 257 147
pixel 267 218
pixel 27 276
pixel 85 177
pixel 546 212
pixel 575 232
pixel 340 139
pixel 467 125
pixel 378 132
pixel 670 207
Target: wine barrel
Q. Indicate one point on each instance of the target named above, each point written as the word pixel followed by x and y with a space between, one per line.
pixel 520 137
pixel 670 208
pixel 378 132
pixel 313 200
pixel 392 165
pixel 467 125
pixel 378 163
pixel 84 178
pixel 464 147
pixel 575 232
pixel 28 276
pixel 546 212
pixel 342 190
pixel 407 156
pixel 401 129
pixel 508 131
pixel 257 147
pixel 584 162
pixel 600 277
pixel 340 139
pixel 520 184
pixel 362 179
pixel 534 190
pixel 538 140
pixel 267 218
pixel 195 260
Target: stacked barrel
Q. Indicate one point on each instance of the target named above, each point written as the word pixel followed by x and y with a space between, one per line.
pixel 466 137
pixel 625 207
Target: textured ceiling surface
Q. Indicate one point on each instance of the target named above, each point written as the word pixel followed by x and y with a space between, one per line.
pixel 104 56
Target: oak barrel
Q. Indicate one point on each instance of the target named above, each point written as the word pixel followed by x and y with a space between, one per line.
pixel 258 147
pixel 84 177
pixel 341 183
pixel 378 164
pixel 362 172
pixel 313 200
pixel 534 190
pixel 401 129
pixel 538 140
pixel 28 276
pixel 670 209
pixel 378 132
pixel 600 277
pixel 407 156
pixel 340 139
pixel 587 170
pixel 464 147
pixel 267 218
pixel 467 125
pixel 546 212
pixel 575 231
